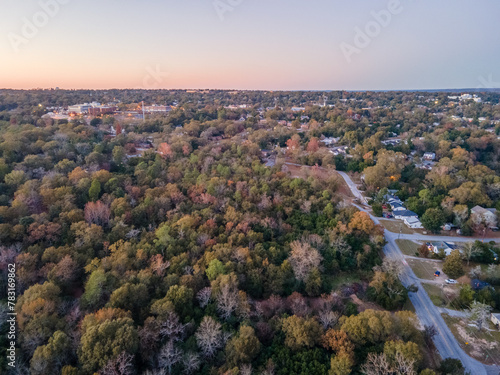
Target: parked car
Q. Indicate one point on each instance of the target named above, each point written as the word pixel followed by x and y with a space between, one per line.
pixel 451 281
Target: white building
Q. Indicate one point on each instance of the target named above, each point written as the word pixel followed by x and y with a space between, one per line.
pixel 397 206
pixel 404 214
pixel 430 156
pixel 79 108
pixel 414 223
pixel 447 247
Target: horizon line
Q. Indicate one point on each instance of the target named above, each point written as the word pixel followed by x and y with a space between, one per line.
pixel 254 90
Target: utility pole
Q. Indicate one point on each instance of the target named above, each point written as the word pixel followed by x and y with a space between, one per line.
pixel 143 113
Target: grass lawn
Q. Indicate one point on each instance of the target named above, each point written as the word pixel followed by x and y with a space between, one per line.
pixel 483 345
pixel 396 226
pixel 408 247
pixel 423 269
pixel 435 294
pixel 441 297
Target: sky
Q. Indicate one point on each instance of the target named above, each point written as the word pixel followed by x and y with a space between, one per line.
pixel 250 44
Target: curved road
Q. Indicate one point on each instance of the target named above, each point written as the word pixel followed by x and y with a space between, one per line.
pixel 427 312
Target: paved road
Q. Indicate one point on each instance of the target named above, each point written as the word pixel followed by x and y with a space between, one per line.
pixel 354 188
pixel 426 311
pixel 427 237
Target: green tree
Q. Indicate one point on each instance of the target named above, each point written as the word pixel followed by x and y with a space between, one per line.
pixel 370 326
pixel 182 299
pixel 453 265
pixel 341 364
pixel 48 359
pixel 433 220
pixel 104 340
pixel 118 154
pixel 377 209
pixel 95 190
pixel 244 347
pixel 214 269
pixel 409 350
pixel 96 289
pixel 131 297
pixel 301 332
pixel 451 366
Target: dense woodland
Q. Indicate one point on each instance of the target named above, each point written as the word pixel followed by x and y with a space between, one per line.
pixel 196 258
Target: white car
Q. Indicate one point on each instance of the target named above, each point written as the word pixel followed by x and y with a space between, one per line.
pixel 451 281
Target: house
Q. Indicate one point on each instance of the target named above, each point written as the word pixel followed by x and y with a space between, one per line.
pixel 404 214
pixel 448 226
pixel 396 206
pixel 340 150
pixel 431 156
pixel 477 284
pixel 488 216
pixel 391 199
pixel 329 141
pixel 495 319
pixel 446 247
pixel 412 222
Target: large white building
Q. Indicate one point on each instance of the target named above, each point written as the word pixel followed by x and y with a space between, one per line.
pixel 82 108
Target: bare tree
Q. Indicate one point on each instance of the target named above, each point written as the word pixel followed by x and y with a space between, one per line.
pixel 154 372
pixel 191 362
pixel 469 249
pixel 97 213
pixel 303 259
pixel 476 272
pixel 171 327
pixel 379 364
pixel 404 366
pixel 339 243
pixel 269 370
pixel 121 365
pixel 204 296
pixel 479 313
pixel 209 336
pixel 246 369
pixel 169 356
pixel 227 300
pixel 328 318
pixel 391 266
pixel 298 304
pixel 376 364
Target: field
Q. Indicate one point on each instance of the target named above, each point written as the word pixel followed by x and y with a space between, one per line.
pixel 396 226
pixel 424 269
pixel 441 296
pixel 483 345
pixel 408 247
